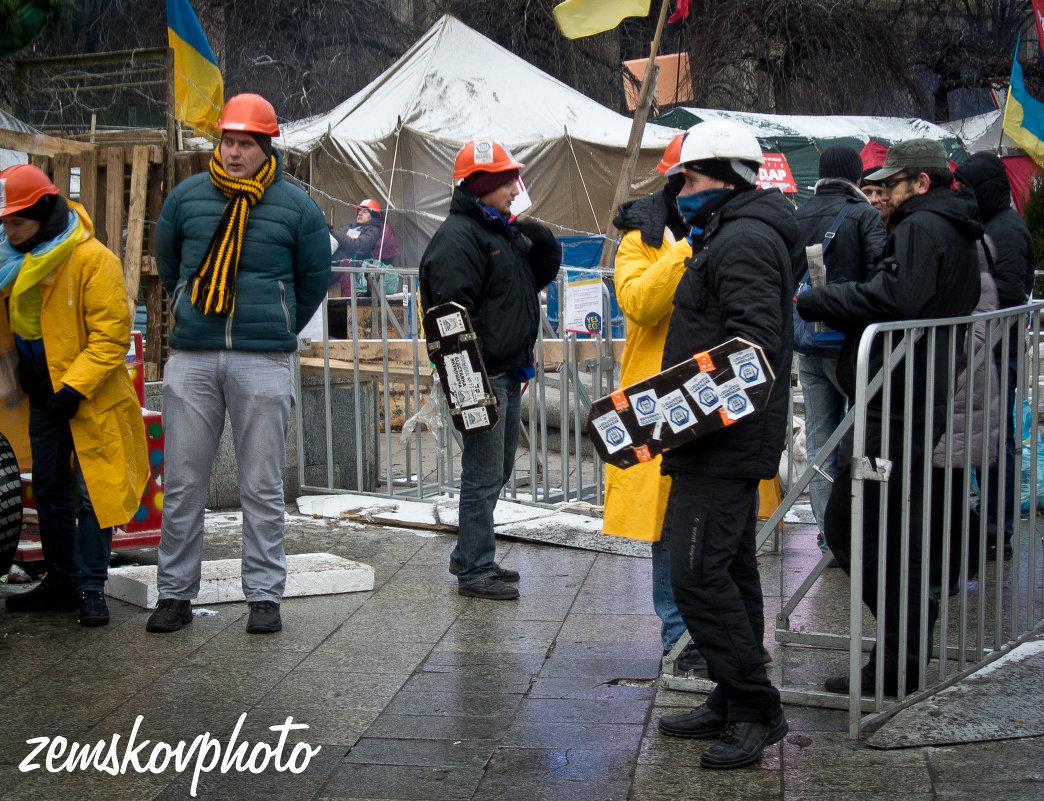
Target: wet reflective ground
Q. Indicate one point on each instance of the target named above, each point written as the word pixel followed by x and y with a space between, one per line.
pixel 411 692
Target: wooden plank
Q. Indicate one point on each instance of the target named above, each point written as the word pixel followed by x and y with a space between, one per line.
pixel 400 351
pixel 40 144
pixel 155 316
pixel 136 223
pixel 89 183
pixel 339 369
pixel 62 172
pixel 114 200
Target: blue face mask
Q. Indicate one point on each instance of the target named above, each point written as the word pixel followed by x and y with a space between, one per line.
pixel 688 205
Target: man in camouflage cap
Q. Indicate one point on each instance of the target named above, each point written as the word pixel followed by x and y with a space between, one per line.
pixel 929 269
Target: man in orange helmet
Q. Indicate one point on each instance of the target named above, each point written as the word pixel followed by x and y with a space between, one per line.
pixel 245 258
pixel 369 238
pixel 494 265
pixel 65 314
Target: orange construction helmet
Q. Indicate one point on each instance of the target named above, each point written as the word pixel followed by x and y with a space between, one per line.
pixel 370 204
pixel 250 114
pixel 672 155
pixel 21 186
pixel 483 155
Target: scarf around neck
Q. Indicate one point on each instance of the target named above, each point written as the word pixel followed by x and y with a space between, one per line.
pixel 21 273
pixel 214 283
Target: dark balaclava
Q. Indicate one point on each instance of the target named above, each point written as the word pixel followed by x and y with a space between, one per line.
pixel 52 212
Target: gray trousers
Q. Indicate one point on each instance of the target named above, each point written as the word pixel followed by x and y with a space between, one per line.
pixel 257 391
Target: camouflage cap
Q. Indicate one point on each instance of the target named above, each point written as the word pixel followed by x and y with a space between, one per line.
pixel 914 155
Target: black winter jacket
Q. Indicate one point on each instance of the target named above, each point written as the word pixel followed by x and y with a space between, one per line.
pixel 930 269
pixel 1015 259
pixel 493 271
pixel 738 283
pixel 859 241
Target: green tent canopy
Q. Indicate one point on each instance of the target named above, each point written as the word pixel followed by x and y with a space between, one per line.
pixel 801 138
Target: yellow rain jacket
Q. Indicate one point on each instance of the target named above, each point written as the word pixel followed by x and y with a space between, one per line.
pixel 86 331
pixel 645 278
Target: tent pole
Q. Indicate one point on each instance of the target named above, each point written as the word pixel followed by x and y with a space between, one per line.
pixel 630 162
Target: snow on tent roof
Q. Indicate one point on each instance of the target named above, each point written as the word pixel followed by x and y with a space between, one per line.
pixel 456 84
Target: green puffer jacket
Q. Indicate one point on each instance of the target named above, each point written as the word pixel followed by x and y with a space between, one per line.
pixel 283 274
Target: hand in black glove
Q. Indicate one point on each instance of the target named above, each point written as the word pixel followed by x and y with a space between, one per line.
pixel 64 404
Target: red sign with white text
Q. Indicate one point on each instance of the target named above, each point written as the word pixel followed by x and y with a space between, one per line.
pixel 775 172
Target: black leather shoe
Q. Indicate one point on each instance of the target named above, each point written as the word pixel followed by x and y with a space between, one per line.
pixel 264 618
pixel 490 588
pixel 741 742
pixel 701 723
pixel 840 684
pixel 170 615
pixel 690 660
pixel 991 552
pixel 505 574
pixel 93 609
pixel 49 595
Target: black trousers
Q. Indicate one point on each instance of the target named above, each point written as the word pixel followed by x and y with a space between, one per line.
pixel 714 575
pixel 838 531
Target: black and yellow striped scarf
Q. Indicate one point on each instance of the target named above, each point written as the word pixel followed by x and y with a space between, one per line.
pixel 214 283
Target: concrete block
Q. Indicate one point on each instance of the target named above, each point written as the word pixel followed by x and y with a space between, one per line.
pixel 307 574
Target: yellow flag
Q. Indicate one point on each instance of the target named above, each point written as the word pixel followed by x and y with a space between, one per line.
pixel 577 18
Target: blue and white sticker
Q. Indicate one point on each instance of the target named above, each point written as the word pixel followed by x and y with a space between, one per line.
pixel 734 400
pixel 677 411
pixel 475 418
pixel 704 391
pixel 450 324
pixel 646 407
pixel 747 368
pixel 611 429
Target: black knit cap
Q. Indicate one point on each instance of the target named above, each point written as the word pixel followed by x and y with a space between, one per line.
pixel 721 170
pixel 841 161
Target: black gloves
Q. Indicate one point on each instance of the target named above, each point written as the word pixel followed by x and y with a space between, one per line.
pixel 64 404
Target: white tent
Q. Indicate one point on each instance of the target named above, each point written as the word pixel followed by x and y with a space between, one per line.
pixel 396 139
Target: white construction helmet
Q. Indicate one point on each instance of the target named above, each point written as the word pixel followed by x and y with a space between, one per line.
pixel 721 140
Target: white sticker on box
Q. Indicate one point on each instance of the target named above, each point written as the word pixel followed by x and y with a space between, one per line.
pixel 612 431
pixel 746 366
pixel 734 400
pixel 704 391
pixel 451 324
pixel 464 383
pixel 646 408
pixel 676 409
pixel 475 418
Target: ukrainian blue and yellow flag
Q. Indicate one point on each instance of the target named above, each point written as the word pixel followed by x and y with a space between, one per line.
pixel 198 89
pixel 1024 116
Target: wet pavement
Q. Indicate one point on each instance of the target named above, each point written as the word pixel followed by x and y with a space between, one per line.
pixel 412 692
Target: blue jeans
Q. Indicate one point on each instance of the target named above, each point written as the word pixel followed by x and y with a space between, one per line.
pixel 257 390
pixel 487 460
pixel 825 404
pixel 76 549
pixel 672 627
pixel 1011 488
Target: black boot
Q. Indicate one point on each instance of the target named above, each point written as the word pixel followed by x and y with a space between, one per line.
pixel 742 742
pixel 93 609
pixel 53 593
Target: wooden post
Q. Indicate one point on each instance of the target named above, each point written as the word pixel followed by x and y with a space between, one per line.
pixel 89 183
pixel 136 224
pixel 634 142
pixel 114 200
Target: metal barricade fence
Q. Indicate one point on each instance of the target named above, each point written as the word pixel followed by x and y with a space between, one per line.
pixel 371 353
pixel 381 362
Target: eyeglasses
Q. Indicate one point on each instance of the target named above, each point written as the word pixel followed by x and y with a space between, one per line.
pixel 896 181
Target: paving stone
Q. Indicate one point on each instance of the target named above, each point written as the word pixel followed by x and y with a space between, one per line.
pixel 556 774
pixel 402 782
pixel 422 753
